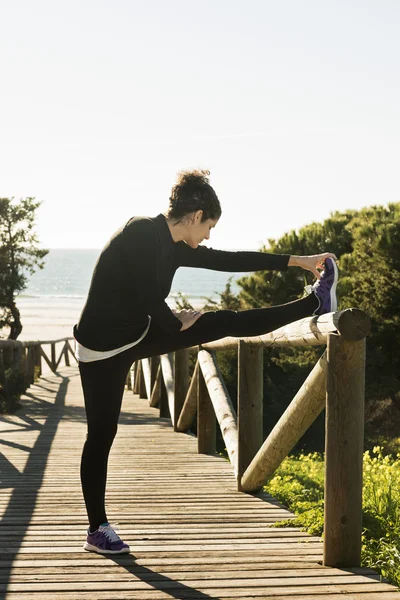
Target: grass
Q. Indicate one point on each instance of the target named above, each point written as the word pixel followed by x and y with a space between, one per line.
pixel 299 484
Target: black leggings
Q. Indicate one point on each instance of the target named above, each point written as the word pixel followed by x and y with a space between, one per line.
pixel 103 381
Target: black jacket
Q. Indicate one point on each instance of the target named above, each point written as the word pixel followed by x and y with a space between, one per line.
pixel 133 276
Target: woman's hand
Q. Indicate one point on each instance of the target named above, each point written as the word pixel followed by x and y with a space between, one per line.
pixel 188 317
pixel 311 263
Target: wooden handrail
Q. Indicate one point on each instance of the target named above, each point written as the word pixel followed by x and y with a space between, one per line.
pixel 25 358
pixel 223 407
pixel 30 343
pixel 352 324
pixel 336 381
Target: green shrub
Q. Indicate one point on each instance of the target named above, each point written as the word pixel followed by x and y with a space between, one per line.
pixel 15 385
pixel 299 484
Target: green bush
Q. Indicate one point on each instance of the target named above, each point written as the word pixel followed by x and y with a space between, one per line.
pixel 15 384
pixel 10 392
pixel 299 484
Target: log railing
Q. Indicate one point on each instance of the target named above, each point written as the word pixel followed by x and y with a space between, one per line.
pixel 25 358
pixel 336 382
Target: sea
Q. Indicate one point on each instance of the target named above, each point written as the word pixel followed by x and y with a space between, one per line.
pixel 55 295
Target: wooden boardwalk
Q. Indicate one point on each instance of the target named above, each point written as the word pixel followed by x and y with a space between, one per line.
pixel 192 535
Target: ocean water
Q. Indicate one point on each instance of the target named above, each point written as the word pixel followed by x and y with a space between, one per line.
pixel 55 295
pixel 67 275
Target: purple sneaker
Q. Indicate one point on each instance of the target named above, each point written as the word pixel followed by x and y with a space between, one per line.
pixel 325 288
pixel 105 541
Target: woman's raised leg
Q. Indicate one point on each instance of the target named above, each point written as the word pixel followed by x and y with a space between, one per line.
pixel 218 324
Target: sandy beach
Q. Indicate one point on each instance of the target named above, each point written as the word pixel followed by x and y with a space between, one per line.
pixel 48 319
pixel 51 318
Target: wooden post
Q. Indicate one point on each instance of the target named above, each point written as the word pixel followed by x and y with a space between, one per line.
pixel 44 355
pixel 305 407
pixel 7 357
pixel 62 353
pixel 146 370
pixel 250 404
pixel 167 371
pixel 154 364
pixel 137 377
pixel 189 408
pixel 31 364
pixel 156 391
pixel 134 376
pixel 22 362
pixel 206 421
pixel 53 356
pixel 70 350
pixel 141 383
pixel 38 360
pixel 164 405
pixel 3 379
pixel 128 381
pixel 17 358
pixel 27 366
pixel 344 452
pixel 181 383
pixel 66 355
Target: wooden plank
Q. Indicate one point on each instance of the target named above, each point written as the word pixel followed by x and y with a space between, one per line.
pixel 274 586
pixel 197 595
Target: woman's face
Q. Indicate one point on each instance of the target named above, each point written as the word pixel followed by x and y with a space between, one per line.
pixel 198 231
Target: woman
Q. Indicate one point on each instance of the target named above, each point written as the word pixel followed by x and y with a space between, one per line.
pixel 126 318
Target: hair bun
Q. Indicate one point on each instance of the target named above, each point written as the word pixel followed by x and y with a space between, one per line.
pixel 193 192
pixel 197 176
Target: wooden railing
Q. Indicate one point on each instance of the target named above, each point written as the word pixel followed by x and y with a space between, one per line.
pixel 25 358
pixel 336 382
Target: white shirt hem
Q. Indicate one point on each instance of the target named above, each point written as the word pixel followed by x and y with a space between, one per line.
pixel 86 355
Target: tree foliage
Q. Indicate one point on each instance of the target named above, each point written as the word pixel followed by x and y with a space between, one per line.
pixel 20 256
pixel 367 244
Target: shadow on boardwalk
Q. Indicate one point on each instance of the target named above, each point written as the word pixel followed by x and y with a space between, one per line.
pixel 26 485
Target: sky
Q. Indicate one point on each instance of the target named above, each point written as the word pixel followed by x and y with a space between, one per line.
pixel 292 105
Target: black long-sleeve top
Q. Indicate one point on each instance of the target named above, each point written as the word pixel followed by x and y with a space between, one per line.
pixel 133 276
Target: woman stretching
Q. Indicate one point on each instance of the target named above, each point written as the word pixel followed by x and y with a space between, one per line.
pixel 126 318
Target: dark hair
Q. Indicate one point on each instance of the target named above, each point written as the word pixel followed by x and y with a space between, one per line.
pixel 193 192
